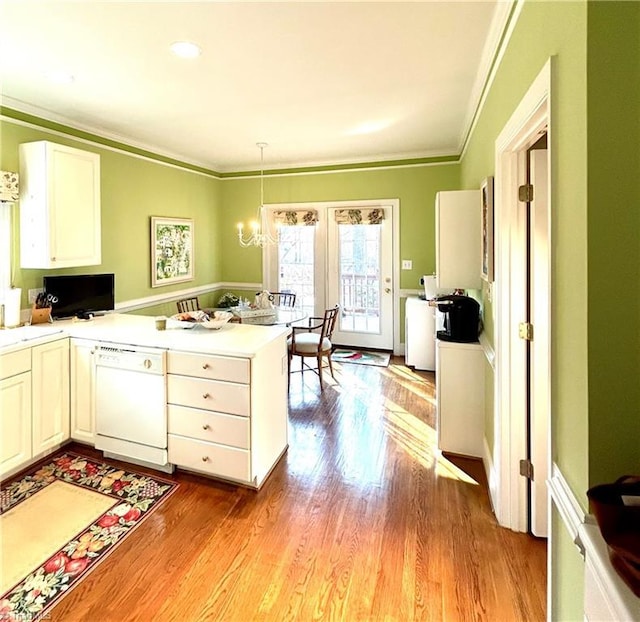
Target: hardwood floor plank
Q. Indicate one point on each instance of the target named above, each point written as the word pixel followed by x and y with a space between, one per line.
pixel 363 520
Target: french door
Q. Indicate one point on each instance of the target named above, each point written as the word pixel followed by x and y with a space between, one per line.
pixel 337 261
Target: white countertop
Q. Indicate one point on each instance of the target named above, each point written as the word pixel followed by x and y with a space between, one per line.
pixel 138 330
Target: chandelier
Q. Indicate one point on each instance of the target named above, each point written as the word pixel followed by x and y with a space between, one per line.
pixel 259 234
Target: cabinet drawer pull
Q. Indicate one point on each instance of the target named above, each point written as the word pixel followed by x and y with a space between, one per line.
pixel 206 426
pixel 205 458
pixel 206 395
pixel 205 366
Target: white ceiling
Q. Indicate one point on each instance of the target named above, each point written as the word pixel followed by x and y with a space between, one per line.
pixel 304 77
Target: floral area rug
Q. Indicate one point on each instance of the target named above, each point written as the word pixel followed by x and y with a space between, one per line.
pixel 60 520
pixel 361 357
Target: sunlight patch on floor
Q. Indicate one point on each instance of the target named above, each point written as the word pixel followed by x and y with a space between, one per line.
pixel 411 382
pixel 413 435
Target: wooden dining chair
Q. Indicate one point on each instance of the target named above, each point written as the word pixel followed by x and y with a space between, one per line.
pixel 284 299
pixel 314 340
pixel 188 304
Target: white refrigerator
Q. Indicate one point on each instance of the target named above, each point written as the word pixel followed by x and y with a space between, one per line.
pixel 421 323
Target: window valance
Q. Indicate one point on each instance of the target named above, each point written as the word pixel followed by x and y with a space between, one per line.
pixel 292 217
pixel 360 216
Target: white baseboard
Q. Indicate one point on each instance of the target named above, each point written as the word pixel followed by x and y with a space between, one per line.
pixel 492 478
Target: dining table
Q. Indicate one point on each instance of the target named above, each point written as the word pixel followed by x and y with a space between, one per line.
pixel 283 316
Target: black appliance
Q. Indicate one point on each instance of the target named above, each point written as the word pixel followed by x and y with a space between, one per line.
pixel 80 294
pixel 461 318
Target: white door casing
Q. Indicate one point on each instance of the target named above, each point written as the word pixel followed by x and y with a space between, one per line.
pixel 531 117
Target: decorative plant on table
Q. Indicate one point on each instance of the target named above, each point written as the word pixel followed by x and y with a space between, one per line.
pixel 228 300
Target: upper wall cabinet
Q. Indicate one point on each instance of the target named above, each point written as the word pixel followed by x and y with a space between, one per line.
pixel 59 206
pixel 458 221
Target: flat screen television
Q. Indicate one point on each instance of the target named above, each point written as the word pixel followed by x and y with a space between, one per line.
pixel 80 294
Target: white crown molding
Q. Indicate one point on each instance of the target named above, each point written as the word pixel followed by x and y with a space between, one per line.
pixel 47 115
pixel 350 165
pixel 94 143
pixel 493 53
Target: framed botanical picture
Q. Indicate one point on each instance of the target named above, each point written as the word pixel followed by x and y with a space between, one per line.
pixel 171 250
pixel 486 193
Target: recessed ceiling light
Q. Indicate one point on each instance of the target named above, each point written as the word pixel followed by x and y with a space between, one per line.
pixel 60 76
pixel 185 49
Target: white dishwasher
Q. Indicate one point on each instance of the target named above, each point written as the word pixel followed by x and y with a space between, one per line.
pixel 131 404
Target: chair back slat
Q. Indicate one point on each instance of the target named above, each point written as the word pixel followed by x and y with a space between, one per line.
pixel 284 299
pixel 329 323
pixel 188 304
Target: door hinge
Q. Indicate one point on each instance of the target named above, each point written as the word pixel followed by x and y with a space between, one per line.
pixel 525 193
pixel 526 469
pixel 525 331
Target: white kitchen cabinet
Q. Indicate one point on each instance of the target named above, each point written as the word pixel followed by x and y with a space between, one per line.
pixel 50 394
pixel 15 410
pixel 460 397
pixel 228 415
pixel 458 239
pixel 82 388
pixel 59 206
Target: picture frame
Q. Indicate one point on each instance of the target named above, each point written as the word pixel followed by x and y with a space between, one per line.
pixel 171 250
pixel 486 194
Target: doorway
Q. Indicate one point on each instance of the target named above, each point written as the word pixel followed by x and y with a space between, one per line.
pixel 346 257
pixel 523 315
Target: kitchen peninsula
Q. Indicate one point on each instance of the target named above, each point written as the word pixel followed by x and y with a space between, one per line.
pixel 217 405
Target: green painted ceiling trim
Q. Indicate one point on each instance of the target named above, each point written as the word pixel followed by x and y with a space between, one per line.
pixel 94 138
pixel 100 140
pixel 346 167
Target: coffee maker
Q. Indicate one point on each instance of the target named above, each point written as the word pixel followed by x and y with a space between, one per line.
pixel 461 318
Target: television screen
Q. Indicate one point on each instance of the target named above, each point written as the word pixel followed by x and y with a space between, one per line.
pixel 79 294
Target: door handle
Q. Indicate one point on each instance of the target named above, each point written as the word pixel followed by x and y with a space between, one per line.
pixel 387 290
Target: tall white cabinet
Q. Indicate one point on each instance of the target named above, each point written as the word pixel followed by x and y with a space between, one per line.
pixel 458 227
pixel 59 206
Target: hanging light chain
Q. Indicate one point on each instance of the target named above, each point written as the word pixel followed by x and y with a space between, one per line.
pixel 258 235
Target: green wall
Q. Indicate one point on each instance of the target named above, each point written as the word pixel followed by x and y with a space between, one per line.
pixel 558 30
pixel 595 231
pixel 416 188
pixel 613 102
pixel 567 591
pixel 132 190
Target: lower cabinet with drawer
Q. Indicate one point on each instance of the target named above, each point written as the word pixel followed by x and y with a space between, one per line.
pixel 34 403
pixel 15 410
pixel 227 416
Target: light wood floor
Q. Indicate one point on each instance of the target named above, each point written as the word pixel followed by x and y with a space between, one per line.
pixel 362 520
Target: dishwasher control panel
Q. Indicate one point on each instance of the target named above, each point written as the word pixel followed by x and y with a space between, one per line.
pixel 149 360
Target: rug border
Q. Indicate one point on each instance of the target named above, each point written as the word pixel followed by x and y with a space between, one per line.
pixel 78 580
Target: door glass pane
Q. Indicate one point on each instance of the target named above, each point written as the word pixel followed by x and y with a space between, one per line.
pixel 296 265
pixel 359 267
